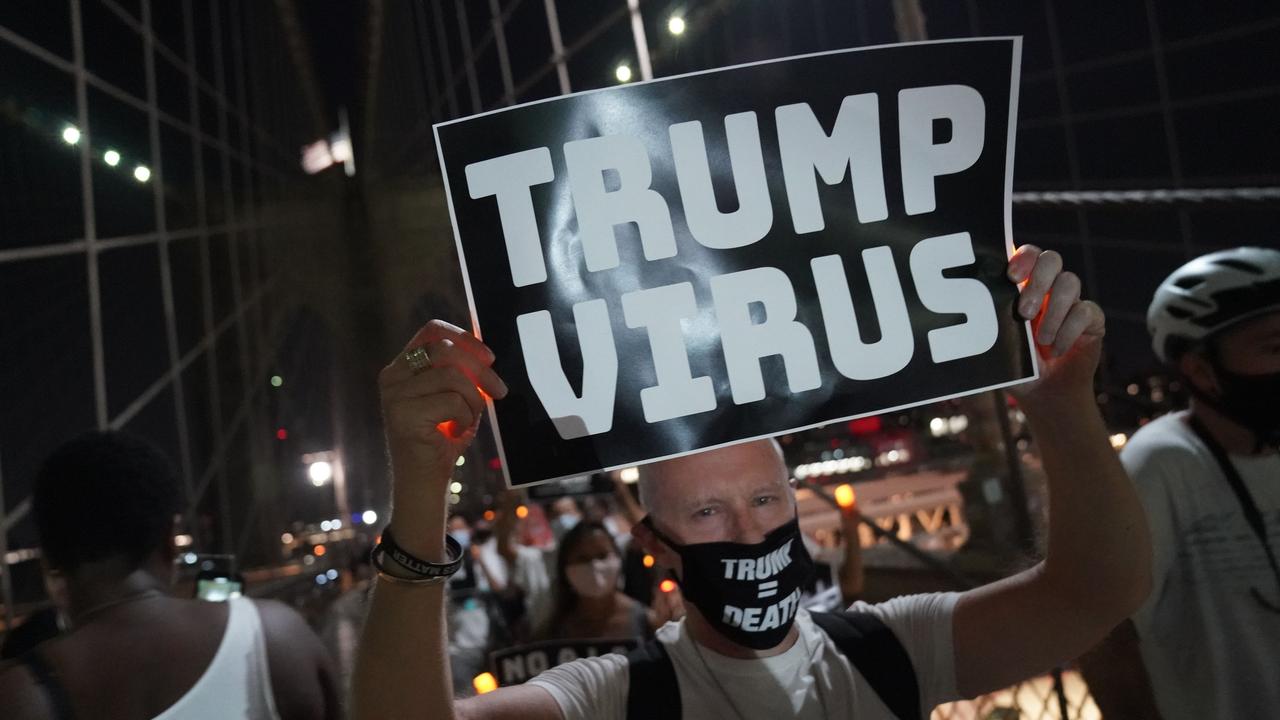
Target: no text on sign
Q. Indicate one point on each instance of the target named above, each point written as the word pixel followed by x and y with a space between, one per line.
pixel 692 262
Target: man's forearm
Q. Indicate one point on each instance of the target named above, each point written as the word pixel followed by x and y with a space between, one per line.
pixel 1099 544
pixel 402 667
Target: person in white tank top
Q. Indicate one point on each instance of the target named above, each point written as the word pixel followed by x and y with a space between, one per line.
pixel 133 652
pixel 237 684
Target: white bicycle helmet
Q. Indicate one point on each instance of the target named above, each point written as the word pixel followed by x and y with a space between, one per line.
pixel 1212 293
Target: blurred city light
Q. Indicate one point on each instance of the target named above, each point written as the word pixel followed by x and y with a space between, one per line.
pixel 321 579
pixel 326 526
pixel 286 538
pixel 335 524
pixel 319 551
pixel 629 475
pixel 845 496
pixel 667 586
pixel 189 558
pixel 369 517
pixel 623 73
pixel 320 472
pixel 316 157
pixel 455 487
pixel 485 683
pixel 828 468
pixel 676 25
pixel 111 157
pixel 648 561
pixel 282 434
pixel 331 573
pixel 1119 440
pixel 277 381
pixel 142 173
pixel 182 541
pixel 489 515
pixel 522 512
pixel 460 461
pixel 71 135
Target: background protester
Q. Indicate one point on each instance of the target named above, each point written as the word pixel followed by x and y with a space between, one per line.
pixel 588 602
pixel 514 572
pixel 563 514
pixel 733 507
pixel 476 623
pixel 600 510
pixel 132 650
pixel 1206 643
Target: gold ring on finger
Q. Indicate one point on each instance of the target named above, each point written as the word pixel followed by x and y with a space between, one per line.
pixel 417 359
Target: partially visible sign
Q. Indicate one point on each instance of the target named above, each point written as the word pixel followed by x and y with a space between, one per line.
pixel 597 484
pixel 513 666
pixel 708 259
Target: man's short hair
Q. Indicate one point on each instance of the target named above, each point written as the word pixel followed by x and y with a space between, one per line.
pixel 104 495
pixel 645 483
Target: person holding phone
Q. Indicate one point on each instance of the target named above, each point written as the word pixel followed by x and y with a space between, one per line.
pixel 218 580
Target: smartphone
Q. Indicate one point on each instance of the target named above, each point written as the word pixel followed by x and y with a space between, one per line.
pixel 218 580
pixel 218 589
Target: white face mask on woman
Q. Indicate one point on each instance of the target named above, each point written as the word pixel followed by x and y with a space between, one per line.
pixel 595 578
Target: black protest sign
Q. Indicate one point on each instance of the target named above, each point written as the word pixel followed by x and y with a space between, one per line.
pixel 515 665
pixel 693 262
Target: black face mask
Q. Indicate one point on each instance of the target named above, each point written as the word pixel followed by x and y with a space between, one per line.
pixel 1252 401
pixel 749 593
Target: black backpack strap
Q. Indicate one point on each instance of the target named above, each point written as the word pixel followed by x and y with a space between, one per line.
pixel 47 678
pixel 1248 507
pixel 654 691
pixel 875 651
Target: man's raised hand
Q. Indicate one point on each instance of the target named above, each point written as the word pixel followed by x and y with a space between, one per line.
pixel 431 414
pixel 1067 330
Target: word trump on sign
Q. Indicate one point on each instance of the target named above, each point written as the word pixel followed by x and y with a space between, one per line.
pixel 703 260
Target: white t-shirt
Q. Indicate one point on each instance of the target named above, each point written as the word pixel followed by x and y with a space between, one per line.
pixel 799 683
pixel 528 572
pixel 1210 648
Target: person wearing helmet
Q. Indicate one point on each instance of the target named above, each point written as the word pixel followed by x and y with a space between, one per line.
pixel 1206 644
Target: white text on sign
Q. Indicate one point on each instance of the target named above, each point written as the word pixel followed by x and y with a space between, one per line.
pixel 807 152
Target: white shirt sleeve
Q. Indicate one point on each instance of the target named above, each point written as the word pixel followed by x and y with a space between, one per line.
pixel 923 625
pixel 589 688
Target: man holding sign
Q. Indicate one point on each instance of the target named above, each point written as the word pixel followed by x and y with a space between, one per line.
pixel 714 509
pixel 697 332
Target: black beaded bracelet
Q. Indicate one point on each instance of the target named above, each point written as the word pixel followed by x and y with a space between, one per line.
pixel 423 570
